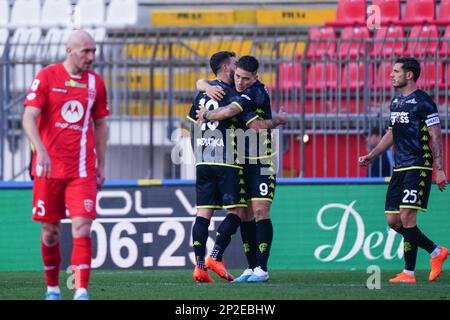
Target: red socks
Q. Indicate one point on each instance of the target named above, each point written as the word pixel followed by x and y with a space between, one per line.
pixel 51 256
pixel 81 261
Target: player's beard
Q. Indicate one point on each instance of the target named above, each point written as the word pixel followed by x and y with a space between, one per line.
pixel 401 84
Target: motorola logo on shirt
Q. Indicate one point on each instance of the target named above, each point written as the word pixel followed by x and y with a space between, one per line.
pixel 72 111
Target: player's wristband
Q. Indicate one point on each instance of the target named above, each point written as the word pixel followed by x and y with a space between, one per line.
pixel 205 115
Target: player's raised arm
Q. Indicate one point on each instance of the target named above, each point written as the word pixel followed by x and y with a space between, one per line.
pixel 222 113
pixel 29 120
pixel 436 147
pixel 386 142
pixel 214 92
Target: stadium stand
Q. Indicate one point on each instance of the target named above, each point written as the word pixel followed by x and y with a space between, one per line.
pixel 422 41
pixel 444 13
pixel 352 41
pixel 445 45
pixel 89 13
pixel 56 13
pixel 3 38
pixel 349 13
pixel 4 13
pixel 322 43
pixel 388 41
pixel 25 13
pixel 419 12
pixel 122 13
pixel 390 11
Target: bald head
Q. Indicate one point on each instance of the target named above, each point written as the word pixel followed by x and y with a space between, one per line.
pixel 80 52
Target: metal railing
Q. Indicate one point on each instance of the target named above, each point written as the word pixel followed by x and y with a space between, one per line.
pixel 150 76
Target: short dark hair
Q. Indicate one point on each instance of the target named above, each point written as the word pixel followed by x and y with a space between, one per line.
pixel 218 59
pixel 410 64
pixel 248 63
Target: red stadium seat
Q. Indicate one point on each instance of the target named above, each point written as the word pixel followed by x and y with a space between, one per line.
pixel 322 76
pixel 445 44
pixel 383 76
pixel 320 156
pixel 420 42
pixel 349 13
pixel 290 76
pixel 418 12
pixel 429 76
pixel 322 43
pixel 352 42
pixel 445 82
pixel 388 41
pixel 390 11
pixel 353 76
pixel 444 13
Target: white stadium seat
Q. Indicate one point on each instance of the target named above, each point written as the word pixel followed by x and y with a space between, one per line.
pixel 56 13
pixel 24 49
pixel 53 46
pixel 4 13
pixel 26 13
pixel 89 13
pixel 121 13
pixel 3 38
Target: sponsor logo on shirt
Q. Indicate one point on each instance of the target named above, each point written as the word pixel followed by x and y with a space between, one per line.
pixel 72 83
pixel 31 96
pixel 399 117
pixel 411 101
pixel 59 90
pixel 213 142
pixel 431 121
pixel 35 84
pixel 72 111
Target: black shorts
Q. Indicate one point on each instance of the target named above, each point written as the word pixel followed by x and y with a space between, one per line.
pixel 260 182
pixel 408 189
pixel 220 186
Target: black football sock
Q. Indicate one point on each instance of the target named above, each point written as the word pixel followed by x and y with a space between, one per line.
pixel 199 238
pixel 411 238
pixel 425 243
pixel 264 236
pixel 248 234
pixel 225 232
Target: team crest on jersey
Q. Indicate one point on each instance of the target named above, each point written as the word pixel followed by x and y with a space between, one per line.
pixel 72 111
pixel 88 205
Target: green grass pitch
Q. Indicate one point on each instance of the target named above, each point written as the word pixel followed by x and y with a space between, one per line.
pixel 178 285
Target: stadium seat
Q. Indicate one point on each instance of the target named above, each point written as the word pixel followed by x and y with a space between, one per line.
pixel 388 41
pixel 444 13
pixel 352 42
pixel 3 38
pixel 56 13
pixel 353 76
pixel 349 13
pixel 421 42
pixel 418 12
pixel 430 75
pixel 383 76
pixel 4 13
pixel 322 76
pixel 89 13
pixel 445 43
pixel 53 46
pixel 122 13
pixel 390 11
pixel 24 48
pixel 445 83
pixel 290 76
pixel 322 43
pixel 25 13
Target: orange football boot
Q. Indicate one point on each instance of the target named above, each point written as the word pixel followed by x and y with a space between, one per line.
pixel 403 277
pixel 219 268
pixel 436 264
pixel 201 275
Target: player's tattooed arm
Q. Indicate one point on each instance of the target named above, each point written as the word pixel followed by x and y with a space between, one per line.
pixel 436 147
pixel 259 124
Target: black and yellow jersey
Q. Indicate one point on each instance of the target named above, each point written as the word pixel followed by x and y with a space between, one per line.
pixel 410 117
pixel 215 143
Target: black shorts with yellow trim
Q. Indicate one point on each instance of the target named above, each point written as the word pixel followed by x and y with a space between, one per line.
pixel 260 181
pixel 218 186
pixel 409 188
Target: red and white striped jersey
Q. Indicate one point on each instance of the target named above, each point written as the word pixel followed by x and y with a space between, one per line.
pixel 68 105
